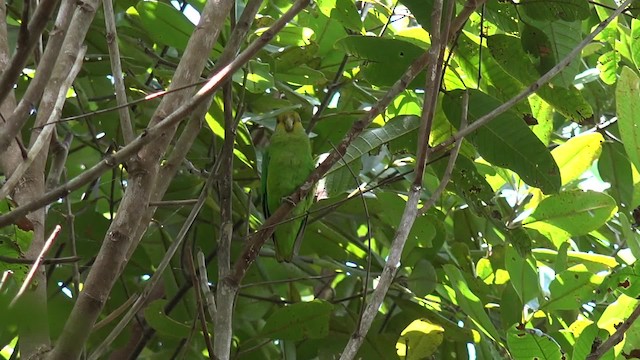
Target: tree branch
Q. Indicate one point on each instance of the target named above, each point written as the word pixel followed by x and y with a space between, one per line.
pixel 616 337
pixel 34 92
pixel 155 131
pixel 36 26
pixel 116 70
pixel 45 135
pixel 561 65
pixel 434 74
pixel 251 250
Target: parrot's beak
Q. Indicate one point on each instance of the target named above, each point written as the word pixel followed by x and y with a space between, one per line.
pixel 289 121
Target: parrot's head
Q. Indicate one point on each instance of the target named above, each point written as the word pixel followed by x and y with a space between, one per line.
pixel 289 121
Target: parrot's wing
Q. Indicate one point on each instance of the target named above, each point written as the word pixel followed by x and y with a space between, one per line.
pixel 306 203
pixel 265 196
pixel 300 235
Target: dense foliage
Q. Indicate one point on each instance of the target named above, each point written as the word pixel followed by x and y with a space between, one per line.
pixel 529 252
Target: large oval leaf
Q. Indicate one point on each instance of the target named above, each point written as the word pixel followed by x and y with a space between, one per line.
pixel 506 141
pixel 571 213
pixel 306 320
pixel 628 111
pixel 614 167
pixel 387 58
pixel 532 344
pixel 165 24
pixel 572 288
pixel 509 54
pixel 371 139
pixel 575 156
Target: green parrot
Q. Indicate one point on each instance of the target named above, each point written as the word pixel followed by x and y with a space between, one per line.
pixel 285 166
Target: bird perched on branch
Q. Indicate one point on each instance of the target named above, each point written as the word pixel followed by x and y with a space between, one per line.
pixel 285 166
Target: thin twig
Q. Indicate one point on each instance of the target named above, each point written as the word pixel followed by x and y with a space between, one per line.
pixel 186 202
pixel 116 69
pixel 561 65
pixel 157 275
pixel 200 304
pixel 203 280
pixel 45 136
pixel 51 261
pixel 434 73
pixel 36 26
pixel 115 313
pixel 155 131
pixel 616 337
pixel 36 264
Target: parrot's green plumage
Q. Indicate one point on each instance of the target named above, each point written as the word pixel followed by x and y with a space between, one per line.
pixel 285 166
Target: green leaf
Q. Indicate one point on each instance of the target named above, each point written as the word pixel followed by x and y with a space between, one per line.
pixel 523 274
pixel 162 323
pixel 571 289
pixel 614 167
pixel 571 213
pixel 419 340
pixel 373 138
pixel 343 11
pixel 387 58
pixel 421 10
pixel 624 280
pixel 470 303
pixel 165 24
pixel 258 77
pixel 608 66
pixel 575 156
pixel 585 341
pixel 453 331
pixel 628 111
pixel 392 206
pixel 508 53
pixel 566 10
pixel 630 235
pixel 423 278
pixel 380 50
pixel 593 262
pixel 291 35
pixel 506 141
pixel 305 320
pixel 564 36
pixel 635 41
pixel 532 344
pixel 301 75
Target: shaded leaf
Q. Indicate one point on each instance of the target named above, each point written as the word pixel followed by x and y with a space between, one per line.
pixel 306 320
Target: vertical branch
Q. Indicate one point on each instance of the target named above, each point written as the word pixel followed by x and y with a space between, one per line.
pixel 116 71
pixel 434 73
pixel 44 138
pixel 31 97
pixel 223 323
pixel 191 131
pixel 9 159
pixel 200 302
pixel 143 169
pixel 34 29
pixel 159 130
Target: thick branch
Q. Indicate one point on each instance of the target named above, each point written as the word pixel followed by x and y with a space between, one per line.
pixel 32 96
pixel 153 132
pixel 616 337
pixel 434 74
pixel 36 26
